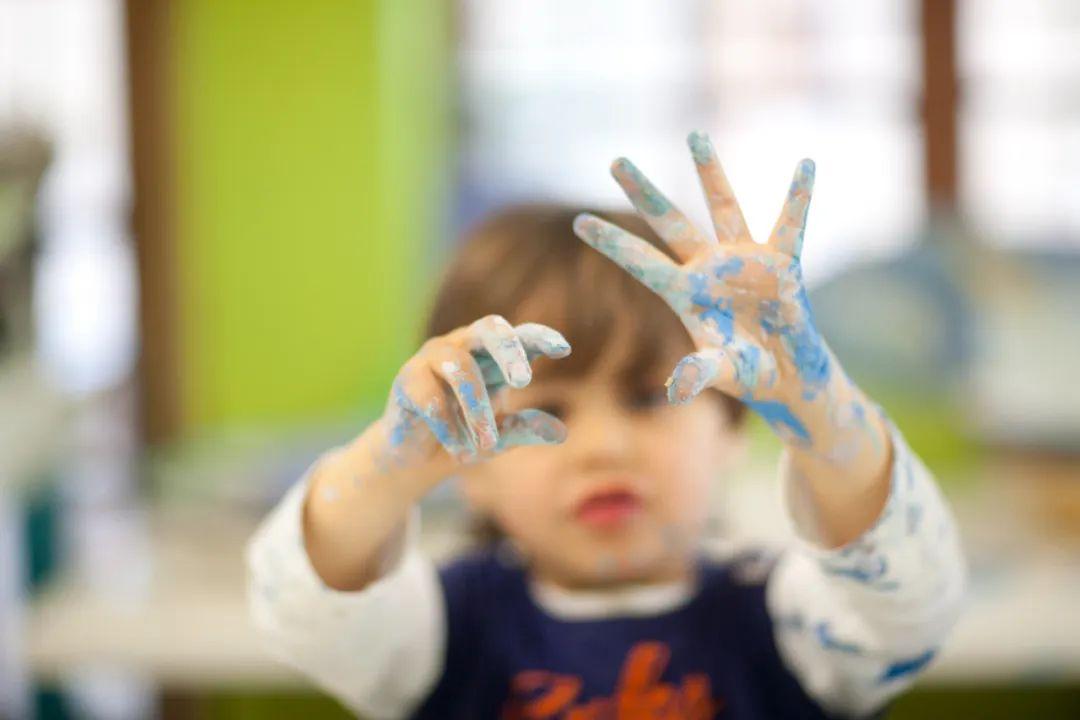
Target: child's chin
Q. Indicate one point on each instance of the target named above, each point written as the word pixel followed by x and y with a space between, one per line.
pixel 632 562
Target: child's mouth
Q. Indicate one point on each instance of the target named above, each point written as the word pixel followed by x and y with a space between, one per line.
pixel 608 509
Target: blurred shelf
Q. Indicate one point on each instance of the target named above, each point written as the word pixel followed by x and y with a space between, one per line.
pixel 174 612
pixel 183 620
pixel 31 414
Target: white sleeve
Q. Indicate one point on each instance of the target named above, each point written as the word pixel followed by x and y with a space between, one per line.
pixel 378 650
pixel 856 624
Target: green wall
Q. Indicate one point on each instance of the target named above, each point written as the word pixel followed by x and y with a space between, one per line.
pixel 311 149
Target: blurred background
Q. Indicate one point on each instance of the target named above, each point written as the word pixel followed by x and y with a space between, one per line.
pixel 220 223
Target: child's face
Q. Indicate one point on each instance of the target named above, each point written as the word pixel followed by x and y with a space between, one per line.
pixel 624 498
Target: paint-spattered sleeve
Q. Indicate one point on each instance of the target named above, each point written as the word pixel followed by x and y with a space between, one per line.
pixel 379 651
pixel 858 623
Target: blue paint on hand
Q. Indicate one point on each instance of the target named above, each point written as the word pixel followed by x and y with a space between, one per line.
pixel 807 349
pixel 778 415
pixel 729 266
pixel 700 147
pixel 716 310
pixel 468 391
pixel 642 192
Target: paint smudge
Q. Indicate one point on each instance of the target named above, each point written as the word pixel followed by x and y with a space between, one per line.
pixel 909 666
pixel 826 638
pixel 779 417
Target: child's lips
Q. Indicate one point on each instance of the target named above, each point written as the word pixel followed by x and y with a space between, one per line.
pixel 609 508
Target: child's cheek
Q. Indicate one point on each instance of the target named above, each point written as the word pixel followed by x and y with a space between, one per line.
pixel 527 498
pixel 685 452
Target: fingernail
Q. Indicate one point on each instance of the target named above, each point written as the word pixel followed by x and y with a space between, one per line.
pixel 584 226
pixel 677 394
pixel 688 380
pixel 552 433
pixel 622 164
pixel 556 344
pixel 520 374
pixel 700 147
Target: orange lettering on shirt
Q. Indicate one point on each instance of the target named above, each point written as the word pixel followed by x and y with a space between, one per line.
pixel 639 695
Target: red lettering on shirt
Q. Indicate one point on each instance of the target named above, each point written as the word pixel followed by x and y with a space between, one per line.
pixel 640 695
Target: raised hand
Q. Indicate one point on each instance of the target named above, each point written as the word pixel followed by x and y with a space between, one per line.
pixel 442 396
pixel 744 303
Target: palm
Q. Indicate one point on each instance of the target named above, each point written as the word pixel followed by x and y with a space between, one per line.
pixel 743 302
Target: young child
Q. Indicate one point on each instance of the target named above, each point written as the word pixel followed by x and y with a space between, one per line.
pixel 598 603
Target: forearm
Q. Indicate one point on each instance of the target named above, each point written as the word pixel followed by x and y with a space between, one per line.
pixel 857 623
pixel 845 472
pixel 316 629
pixel 357 507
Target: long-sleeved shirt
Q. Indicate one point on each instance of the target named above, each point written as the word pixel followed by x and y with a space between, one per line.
pixel 814 632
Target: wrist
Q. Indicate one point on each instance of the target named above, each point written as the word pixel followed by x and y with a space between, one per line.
pixel 849 438
pixel 842 424
pixel 369 462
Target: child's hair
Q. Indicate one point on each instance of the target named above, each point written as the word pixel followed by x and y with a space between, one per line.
pixel 525 263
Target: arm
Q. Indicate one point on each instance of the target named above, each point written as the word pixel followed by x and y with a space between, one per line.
pixel 337 586
pixel 340 639
pixel 882 563
pixel 857 623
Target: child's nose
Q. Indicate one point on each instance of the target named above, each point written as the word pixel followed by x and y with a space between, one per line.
pixel 599 436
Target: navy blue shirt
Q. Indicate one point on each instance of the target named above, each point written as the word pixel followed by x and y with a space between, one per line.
pixel 507 659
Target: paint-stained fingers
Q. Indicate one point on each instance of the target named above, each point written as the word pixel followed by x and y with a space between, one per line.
pixel 727 216
pixel 650 266
pixel 535 340
pixel 540 340
pixel 740 367
pixel 496 336
pixel 530 427
pixel 787 234
pixel 463 375
pixel 419 396
pixel 667 220
pixel 699 370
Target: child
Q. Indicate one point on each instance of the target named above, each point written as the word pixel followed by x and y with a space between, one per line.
pixel 597 477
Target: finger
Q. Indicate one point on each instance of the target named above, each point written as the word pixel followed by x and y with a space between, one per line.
pixel 421 395
pixel 650 266
pixel 726 214
pixel 787 235
pixel 667 220
pixel 739 368
pixel 697 371
pixel 461 372
pixel 536 339
pixel 540 339
pixel 495 335
pixel 530 427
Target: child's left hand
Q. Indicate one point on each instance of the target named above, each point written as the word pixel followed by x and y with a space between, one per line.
pixel 745 306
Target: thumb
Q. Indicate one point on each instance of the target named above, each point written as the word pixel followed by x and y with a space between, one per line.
pixel 737 369
pixel 697 371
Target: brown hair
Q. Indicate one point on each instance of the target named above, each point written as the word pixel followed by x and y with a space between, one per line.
pixel 526 259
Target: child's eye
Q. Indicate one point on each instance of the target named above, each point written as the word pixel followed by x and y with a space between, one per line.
pixel 648 399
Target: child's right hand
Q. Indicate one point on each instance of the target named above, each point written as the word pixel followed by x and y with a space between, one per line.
pixel 441 401
pixel 439 415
